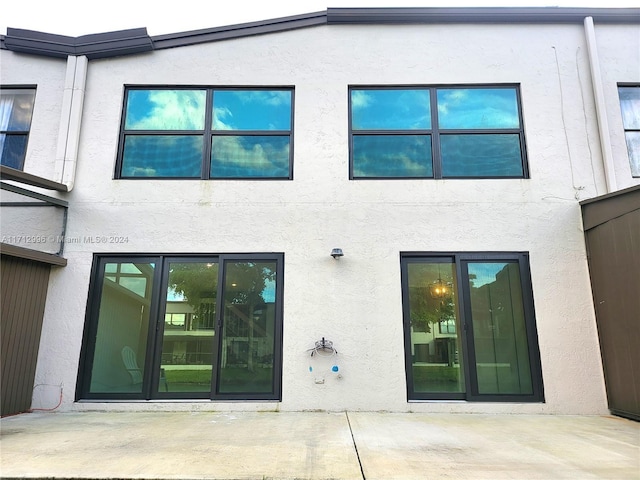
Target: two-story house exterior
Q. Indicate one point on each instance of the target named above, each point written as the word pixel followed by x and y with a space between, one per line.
pixel 357 209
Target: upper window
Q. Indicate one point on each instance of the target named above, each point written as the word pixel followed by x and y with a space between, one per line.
pixel 470 330
pixel 436 132
pixel 630 106
pixel 184 327
pixel 16 109
pixel 221 133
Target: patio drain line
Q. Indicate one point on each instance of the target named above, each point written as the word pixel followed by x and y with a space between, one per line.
pixel 355 446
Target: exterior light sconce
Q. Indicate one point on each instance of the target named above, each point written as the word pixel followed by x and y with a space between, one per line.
pixel 337 253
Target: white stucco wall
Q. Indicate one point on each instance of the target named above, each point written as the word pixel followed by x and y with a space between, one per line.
pixel 619 53
pixel 47 74
pixel 355 301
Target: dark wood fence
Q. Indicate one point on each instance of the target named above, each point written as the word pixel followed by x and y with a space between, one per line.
pixel 24 290
pixel 612 231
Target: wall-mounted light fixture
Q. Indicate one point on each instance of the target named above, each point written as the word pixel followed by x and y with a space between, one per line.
pixel 337 253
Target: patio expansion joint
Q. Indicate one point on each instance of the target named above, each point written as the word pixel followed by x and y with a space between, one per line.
pixel 355 446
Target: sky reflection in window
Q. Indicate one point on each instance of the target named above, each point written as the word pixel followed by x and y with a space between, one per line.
pixel 165 110
pixel 390 109
pixel 250 156
pixel 481 155
pixel 252 110
pixel 162 156
pixel 477 108
pixel 392 156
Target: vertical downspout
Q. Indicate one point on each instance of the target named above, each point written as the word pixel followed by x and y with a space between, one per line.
pixel 601 110
pixel 70 120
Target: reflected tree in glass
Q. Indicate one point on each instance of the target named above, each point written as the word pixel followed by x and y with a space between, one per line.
pixel 248 327
pixel 197 284
pixel 436 355
pixel 187 350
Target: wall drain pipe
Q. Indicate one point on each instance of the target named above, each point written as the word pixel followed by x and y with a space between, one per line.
pixel 601 110
pixel 71 120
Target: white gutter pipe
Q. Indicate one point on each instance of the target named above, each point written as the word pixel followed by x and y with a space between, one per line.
pixel 70 120
pixel 601 110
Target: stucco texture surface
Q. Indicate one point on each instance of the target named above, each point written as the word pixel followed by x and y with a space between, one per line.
pixel 356 301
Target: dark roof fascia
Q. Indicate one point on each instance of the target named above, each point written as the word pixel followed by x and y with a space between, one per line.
pixel 606 196
pixel 239 31
pixel 8 173
pixel 99 45
pixel 30 254
pixel 125 42
pixel 599 210
pixel 406 15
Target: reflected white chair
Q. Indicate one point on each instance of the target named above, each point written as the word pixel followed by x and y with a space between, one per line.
pixel 131 364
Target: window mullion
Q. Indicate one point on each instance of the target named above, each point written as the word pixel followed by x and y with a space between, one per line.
pixel 207 136
pixel 466 336
pixel 523 153
pixel 217 346
pixel 435 135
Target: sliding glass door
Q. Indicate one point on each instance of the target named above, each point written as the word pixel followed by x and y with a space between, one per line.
pixel 249 319
pixel 184 327
pixel 433 322
pixel 469 327
pixel 188 332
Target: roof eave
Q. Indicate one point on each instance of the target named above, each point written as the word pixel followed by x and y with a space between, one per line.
pixel 240 30
pixel 407 15
pixel 100 45
pixel 125 42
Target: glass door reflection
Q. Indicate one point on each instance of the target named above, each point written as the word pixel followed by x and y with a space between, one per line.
pixel 435 328
pixel 248 332
pixel 499 329
pixel 189 327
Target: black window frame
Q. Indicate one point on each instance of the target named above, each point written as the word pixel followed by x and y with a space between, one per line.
pixel 624 127
pixel 207 133
pixel 435 132
pixel 21 133
pixel 471 393
pixel 151 379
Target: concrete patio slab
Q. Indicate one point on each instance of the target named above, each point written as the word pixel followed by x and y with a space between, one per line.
pixel 178 445
pixel 316 445
pixel 495 447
